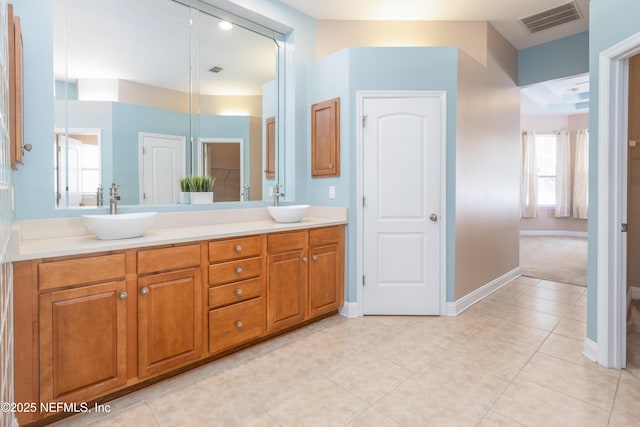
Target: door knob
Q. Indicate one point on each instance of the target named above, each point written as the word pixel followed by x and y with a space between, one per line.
pixel 433 217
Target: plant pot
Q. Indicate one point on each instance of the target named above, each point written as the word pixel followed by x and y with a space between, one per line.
pixel 201 198
pixel 185 198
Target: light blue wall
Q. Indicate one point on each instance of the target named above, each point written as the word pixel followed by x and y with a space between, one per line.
pixel 37 173
pixel 556 59
pixel 611 21
pixel 378 68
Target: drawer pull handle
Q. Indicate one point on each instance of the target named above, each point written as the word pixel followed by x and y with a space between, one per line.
pixel 239 324
pixel 144 291
pixel 305 259
pixel 122 295
pixel 238 248
pixel 315 257
pixel 239 270
pixel 238 292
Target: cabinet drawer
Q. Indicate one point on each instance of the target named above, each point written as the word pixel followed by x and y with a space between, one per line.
pixel 235 270
pixel 322 236
pixel 228 250
pixel 235 324
pixel 234 292
pixel 79 271
pixel 165 259
pixel 283 242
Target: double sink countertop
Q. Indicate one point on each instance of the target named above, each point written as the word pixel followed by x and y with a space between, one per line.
pixel 33 239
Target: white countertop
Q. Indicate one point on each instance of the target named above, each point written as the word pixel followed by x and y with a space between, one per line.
pixel 66 236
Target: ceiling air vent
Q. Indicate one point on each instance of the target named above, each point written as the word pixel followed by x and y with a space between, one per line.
pixel 551 17
pixel 216 69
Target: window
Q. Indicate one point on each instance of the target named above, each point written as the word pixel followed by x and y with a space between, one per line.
pixel 546 145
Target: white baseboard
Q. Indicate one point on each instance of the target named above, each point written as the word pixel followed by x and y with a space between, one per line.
pixel 14 421
pixel 350 310
pixel 457 307
pixel 560 233
pixel 590 350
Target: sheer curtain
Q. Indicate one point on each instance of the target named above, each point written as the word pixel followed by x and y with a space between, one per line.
pixel 563 166
pixel 581 176
pixel 529 181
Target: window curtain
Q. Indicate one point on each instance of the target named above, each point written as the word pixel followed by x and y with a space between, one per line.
pixel 529 181
pixel 581 176
pixel 563 176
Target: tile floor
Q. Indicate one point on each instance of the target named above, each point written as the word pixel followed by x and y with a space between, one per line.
pixel 512 359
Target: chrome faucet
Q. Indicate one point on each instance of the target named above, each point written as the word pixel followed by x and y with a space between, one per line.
pixel 113 199
pixel 276 195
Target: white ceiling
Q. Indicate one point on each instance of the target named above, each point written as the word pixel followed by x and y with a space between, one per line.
pixel 503 14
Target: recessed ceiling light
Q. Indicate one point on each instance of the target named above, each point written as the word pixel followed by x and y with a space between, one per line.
pixel 225 25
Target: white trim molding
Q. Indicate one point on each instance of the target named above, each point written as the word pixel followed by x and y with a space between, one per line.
pixel 590 350
pixel 350 310
pixel 559 233
pixel 611 154
pixel 457 307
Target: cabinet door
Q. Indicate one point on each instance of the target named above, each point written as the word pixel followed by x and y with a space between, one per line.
pixel 83 342
pixel 169 321
pixel 287 289
pixel 325 138
pixel 325 280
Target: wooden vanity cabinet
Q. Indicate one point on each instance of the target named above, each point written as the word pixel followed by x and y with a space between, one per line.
pixel 236 289
pixel 326 270
pixel 286 279
pixel 169 308
pixel 82 327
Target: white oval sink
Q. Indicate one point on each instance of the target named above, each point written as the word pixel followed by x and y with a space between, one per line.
pixel 120 226
pixel 293 213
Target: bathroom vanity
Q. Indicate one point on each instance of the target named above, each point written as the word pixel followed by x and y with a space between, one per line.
pixel 94 318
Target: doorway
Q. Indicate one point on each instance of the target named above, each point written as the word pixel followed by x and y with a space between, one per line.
pixel 401 164
pixel 223 159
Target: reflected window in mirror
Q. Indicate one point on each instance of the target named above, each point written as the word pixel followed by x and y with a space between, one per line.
pixel 160 67
pixel 77 167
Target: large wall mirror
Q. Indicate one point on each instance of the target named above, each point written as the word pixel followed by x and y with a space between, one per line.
pixel 149 91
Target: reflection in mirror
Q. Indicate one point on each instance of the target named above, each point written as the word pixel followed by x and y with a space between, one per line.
pixel 77 172
pixel 161 83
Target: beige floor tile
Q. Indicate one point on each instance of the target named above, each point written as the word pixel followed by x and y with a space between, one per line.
pixel 625 409
pixel 503 296
pixel 368 378
pixel 417 402
pixel 494 419
pixel 525 337
pixel 582 300
pixel 565 348
pixel 561 287
pixel 563 295
pixel 576 312
pixel 526 280
pixel 571 328
pixel 134 416
pixel 534 405
pixel 372 418
pixel 322 403
pixel 517 314
pixel 590 383
pixel 543 305
pixel 519 286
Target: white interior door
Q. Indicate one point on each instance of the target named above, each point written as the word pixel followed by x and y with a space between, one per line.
pixel 401 188
pixel 161 167
pixel 69 171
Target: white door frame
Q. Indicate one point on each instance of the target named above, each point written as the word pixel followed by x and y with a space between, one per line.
pixel 200 154
pixel 612 201
pixel 361 96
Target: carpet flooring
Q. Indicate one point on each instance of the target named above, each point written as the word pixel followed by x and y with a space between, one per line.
pixel 560 259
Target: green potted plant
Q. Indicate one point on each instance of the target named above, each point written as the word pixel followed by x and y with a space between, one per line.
pixel 197 189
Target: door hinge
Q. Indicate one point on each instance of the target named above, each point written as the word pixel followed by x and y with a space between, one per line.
pixel 363 282
pixel 364 120
pixel 625 228
pixel 144 196
pixel 363 201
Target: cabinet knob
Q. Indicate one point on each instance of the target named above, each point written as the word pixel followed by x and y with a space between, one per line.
pixel 330 165
pixel 238 248
pixel 315 257
pixel 239 270
pixel 144 291
pixel 305 259
pixel 239 324
pixel 122 295
pixel 238 292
